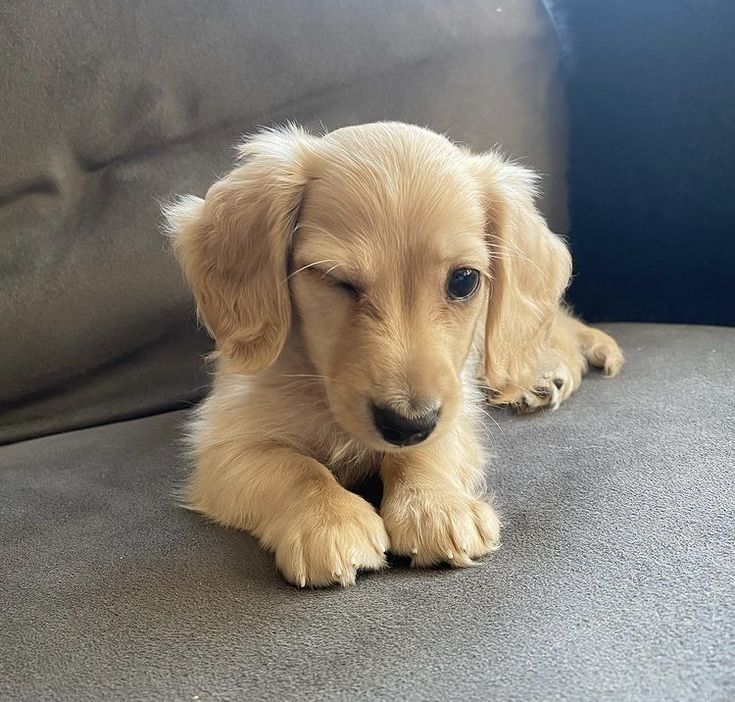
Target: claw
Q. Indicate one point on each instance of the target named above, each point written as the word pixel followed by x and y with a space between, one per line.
pixel 380 546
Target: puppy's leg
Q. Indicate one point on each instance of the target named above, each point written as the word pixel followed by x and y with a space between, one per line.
pixel 434 505
pixel 320 532
pixel 572 347
pixel 598 348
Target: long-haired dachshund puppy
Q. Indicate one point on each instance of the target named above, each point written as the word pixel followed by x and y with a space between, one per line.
pixel 362 287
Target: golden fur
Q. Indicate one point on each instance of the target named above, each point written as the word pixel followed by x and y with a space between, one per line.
pixel 319 266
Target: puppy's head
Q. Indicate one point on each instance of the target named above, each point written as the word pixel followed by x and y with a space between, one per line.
pixel 382 249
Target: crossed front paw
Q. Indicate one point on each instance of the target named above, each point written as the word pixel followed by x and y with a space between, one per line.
pixel 434 526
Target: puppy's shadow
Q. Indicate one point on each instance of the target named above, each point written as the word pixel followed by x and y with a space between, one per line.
pixel 371 489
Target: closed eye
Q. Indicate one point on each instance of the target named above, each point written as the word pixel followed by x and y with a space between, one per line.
pixel 336 281
pixel 345 285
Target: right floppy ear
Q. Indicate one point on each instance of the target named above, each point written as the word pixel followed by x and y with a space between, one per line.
pixel 233 246
pixel 531 268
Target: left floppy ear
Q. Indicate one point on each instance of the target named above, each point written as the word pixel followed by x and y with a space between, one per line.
pixel 531 268
pixel 233 246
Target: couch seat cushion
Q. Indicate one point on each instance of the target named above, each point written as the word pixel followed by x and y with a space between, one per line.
pixel 616 579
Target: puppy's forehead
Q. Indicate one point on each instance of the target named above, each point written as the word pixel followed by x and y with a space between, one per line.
pixel 391 196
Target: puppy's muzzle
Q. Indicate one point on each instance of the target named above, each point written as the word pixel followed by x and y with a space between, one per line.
pixel 400 430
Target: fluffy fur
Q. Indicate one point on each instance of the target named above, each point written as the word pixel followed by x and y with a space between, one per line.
pixel 320 266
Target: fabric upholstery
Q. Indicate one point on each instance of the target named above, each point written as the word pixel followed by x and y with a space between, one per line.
pixel 111 107
pixel 615 581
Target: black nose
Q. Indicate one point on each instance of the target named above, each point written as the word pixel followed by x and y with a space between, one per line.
pixel 400 430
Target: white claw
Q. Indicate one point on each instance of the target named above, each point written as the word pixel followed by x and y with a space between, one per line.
pixel 414 551
pixel 302 583
pixel 380 546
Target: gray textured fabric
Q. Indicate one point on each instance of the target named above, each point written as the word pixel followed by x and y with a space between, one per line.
pixel 167 373
pixel 109 107
pixel 616 579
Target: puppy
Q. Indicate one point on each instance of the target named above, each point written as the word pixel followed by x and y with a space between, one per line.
pixel 360 287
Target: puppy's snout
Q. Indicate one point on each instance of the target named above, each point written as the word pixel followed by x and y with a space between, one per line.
pixel 400 430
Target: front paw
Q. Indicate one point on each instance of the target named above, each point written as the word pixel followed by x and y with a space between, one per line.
pixel 439 526
pixel 329 539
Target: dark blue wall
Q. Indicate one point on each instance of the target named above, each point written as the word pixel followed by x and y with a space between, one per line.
pixel 651 88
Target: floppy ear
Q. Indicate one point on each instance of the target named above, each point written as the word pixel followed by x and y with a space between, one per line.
pixel 531 267
pixel 233 246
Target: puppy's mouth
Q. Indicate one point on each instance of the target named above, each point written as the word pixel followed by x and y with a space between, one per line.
pixel 401 430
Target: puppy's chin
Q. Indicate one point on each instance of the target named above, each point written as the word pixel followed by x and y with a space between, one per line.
pixel 386 447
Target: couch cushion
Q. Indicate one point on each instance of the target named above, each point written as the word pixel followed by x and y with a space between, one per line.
pixel 616 579
pixel 110 107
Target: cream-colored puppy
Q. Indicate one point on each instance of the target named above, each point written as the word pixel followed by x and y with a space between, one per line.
pixel 357 285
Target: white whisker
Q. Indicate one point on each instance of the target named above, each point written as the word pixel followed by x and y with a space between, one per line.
pixel 308 265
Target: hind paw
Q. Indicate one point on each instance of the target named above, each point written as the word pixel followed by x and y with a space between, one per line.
pixel 549 392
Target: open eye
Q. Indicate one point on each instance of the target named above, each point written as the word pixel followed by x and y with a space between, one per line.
pixel 463 283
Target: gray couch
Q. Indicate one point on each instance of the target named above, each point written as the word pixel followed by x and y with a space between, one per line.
pixel 616 576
